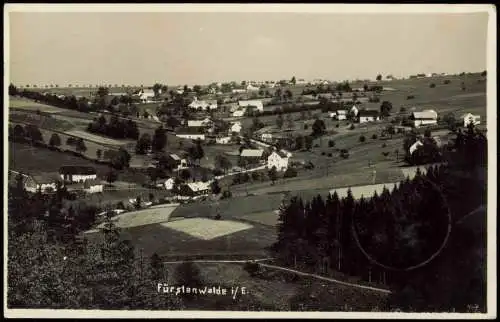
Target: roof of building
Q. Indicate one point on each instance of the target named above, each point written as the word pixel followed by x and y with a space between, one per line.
pixel 368 113
pixel 281 154
pixel 175 157
pixel 470 114
pixel 252 153
pixel 190 130
pixel 199 186
pixel 45 178
pixel 427 114
pixel 92 183
pixel 76 169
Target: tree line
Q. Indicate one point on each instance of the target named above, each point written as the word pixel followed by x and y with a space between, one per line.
pixel 116 128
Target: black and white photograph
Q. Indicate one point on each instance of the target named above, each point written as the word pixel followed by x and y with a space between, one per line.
pixel 250 160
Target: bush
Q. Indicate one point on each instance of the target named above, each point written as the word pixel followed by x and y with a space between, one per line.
pixel 446 81
pixel 385 153
pixel 331 143
pixel 410 97
pixel 226 194
pixel 362 138
pixel 252 268
pixel 374 136
pixel 290 173
pixel 432 85
pixel 384 145
pixel 352 127
pixel 306 127
pixel 337 125
pixel 323 153
pixel 402 109
pixel 330 154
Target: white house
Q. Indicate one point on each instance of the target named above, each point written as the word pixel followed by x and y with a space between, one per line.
pixel 239 113
pixel 368 116
pixel 470 118
pixel 266 136
pixel 238 90
pixel 278 160
pixel 235 127
pixel 93 186
pixel 223 139
pixel 254 103
pixel 77 173
pixel 191 133
pixel 146 95
pixel 354 111
pixel 427 117
pixel 339 114
pixel 169 183
pixel 251 88
pixel 415 146
pixel 203 105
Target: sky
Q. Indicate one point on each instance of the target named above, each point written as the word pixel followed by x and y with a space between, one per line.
pixel 176 48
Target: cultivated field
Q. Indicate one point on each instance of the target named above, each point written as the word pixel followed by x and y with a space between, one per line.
pixel 143 217
pixel 206 229
pixel 29 105
pixel 96 138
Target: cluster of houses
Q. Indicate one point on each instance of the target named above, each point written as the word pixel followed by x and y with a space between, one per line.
pixel 204 128
pixel 74 178
pixel 361 116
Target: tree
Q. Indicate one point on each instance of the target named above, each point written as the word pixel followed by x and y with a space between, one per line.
pixel 216 189
pixel 483 73
pixel 379 77
pixel 293 80
pixel 159 139
pixel 98 154
pixel 119 159
pixel 362 139
pixel 331 143
pixel 111 176
pixel 55 140
pixel 279 121
pixel 385 108
pixel 157 89
pixel 143 144
pixel 185 174
pixel 309 142
pixel 33 133
pixel 299 142
pixel 13 91
pixel 80 146
pixel 222 162
pixel 318 128
pixel 273 174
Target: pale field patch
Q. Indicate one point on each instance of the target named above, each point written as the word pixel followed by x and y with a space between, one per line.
pixel 207 229
pixel 29 105
pixel 96 138
pixel 143 217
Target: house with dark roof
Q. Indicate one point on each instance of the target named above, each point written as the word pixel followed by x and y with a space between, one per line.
pixel 46 182
pixel 427 117
pixel 75 173
pixel 368 116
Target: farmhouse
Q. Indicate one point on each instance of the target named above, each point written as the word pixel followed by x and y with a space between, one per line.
pixel 223 140
pixel 250 88
pixel 266 137
pixel 192 133
pixel 255 103
pixel 427 117
pixel 93 186
pixel 193 189
pixel 469 118
pixel 176 162
pixel 278 160
pixel 239 112
pixel 146 96
pixel 34 183
pixel 368 116
pixel 77 173
pixel 235 127
pixel 206 122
